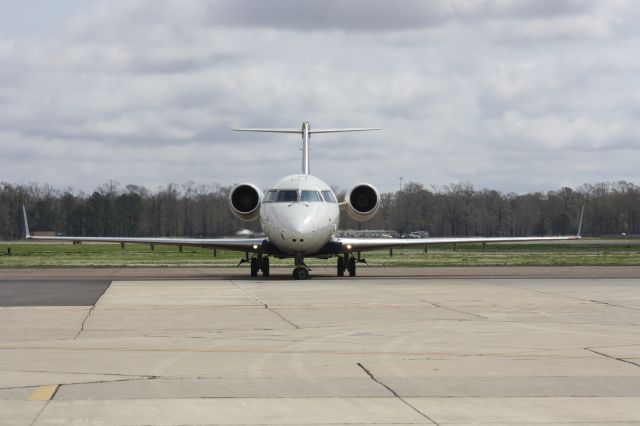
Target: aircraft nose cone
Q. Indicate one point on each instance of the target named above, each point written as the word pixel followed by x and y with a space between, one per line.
pixel 299 227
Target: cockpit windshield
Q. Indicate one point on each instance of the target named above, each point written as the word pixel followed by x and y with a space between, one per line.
pixel 294 195
pixel 270 196
pixel 329 197
pixel 287 196
pixel 310 196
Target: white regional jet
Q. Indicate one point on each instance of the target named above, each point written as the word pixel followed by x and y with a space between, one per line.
pixel 299 216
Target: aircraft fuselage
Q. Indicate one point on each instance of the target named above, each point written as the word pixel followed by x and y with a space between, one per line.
pixel 299 214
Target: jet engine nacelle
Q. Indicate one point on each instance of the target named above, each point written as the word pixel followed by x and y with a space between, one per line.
pixel 244 200
pixel 362 201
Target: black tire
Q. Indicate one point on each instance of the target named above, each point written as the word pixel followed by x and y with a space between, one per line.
pixel 254 267
pixel 352 267
pixel 265 267
pixel 300 273
pixel 341 267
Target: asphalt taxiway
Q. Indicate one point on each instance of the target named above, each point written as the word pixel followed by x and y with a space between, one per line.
pixel 508 347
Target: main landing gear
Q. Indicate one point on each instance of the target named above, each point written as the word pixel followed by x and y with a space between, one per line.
pixel 257 264
pixel 261 263
pixel 347 262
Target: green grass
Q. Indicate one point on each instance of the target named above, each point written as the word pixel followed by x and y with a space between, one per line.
pixel 585 252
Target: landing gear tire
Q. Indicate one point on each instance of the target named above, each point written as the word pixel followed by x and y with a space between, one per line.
pixel 352 266
pixel 254 267
pixel 341 266
pixel 265 267
pixel 300 273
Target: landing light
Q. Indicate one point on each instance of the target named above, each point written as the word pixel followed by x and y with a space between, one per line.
pixel 348 246
pixel 255 247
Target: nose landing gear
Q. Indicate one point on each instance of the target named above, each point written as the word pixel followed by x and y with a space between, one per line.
pixel 301 270
pixel 300 273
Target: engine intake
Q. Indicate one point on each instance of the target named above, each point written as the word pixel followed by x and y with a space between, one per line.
pixel 363 202
pixel 244 200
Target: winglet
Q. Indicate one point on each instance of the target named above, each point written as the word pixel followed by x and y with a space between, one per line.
pixel 580 225
pixel 26 224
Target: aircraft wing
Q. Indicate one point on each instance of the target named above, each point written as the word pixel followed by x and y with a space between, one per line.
pixel 248 244
pixel 366 244
pixel 236 244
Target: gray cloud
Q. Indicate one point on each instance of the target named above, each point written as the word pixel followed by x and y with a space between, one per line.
pixel 367 15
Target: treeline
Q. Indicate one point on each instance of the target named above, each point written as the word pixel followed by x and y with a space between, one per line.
pixel 202 211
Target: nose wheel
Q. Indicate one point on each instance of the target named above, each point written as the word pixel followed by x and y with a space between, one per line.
pixel 300 273
pixel 301 270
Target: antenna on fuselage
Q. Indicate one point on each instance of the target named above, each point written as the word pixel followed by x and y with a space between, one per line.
pixel 306 132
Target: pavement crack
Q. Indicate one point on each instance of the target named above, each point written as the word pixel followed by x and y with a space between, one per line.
pixel 84 321
pixel 395 394
pixel 281 316
pixel 456 310
pixel 19 387
pixel 266 306
pixel 95 382
pixel 77 372
pixel 551 293
pixel 613 305
pixel 35 419
pixel 612 357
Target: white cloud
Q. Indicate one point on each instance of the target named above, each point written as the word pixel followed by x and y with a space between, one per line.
pixel 517 96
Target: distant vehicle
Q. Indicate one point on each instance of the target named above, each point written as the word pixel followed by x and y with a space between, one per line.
pixel 421 234
pixel 299 215
pixel 411 235
pixel 246 233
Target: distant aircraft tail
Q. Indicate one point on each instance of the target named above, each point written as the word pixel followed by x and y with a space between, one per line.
pixel 27 234
pixel 306 133
pixel 579 235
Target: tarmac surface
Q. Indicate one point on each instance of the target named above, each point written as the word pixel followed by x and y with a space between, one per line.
pixel 454 346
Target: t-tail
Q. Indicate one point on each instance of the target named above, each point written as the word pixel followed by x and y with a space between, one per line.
pixel 306 133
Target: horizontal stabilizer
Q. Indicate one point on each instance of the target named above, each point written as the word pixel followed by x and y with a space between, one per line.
pixel 305 131
pixel 270 130
pixel 364 129
pixel 311 131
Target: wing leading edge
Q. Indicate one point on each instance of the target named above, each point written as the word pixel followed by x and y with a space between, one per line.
pixel 366 244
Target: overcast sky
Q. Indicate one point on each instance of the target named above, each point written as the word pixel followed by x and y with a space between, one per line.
pixel 516 96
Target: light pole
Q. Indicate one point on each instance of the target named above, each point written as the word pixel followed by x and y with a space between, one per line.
pixel 400 183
